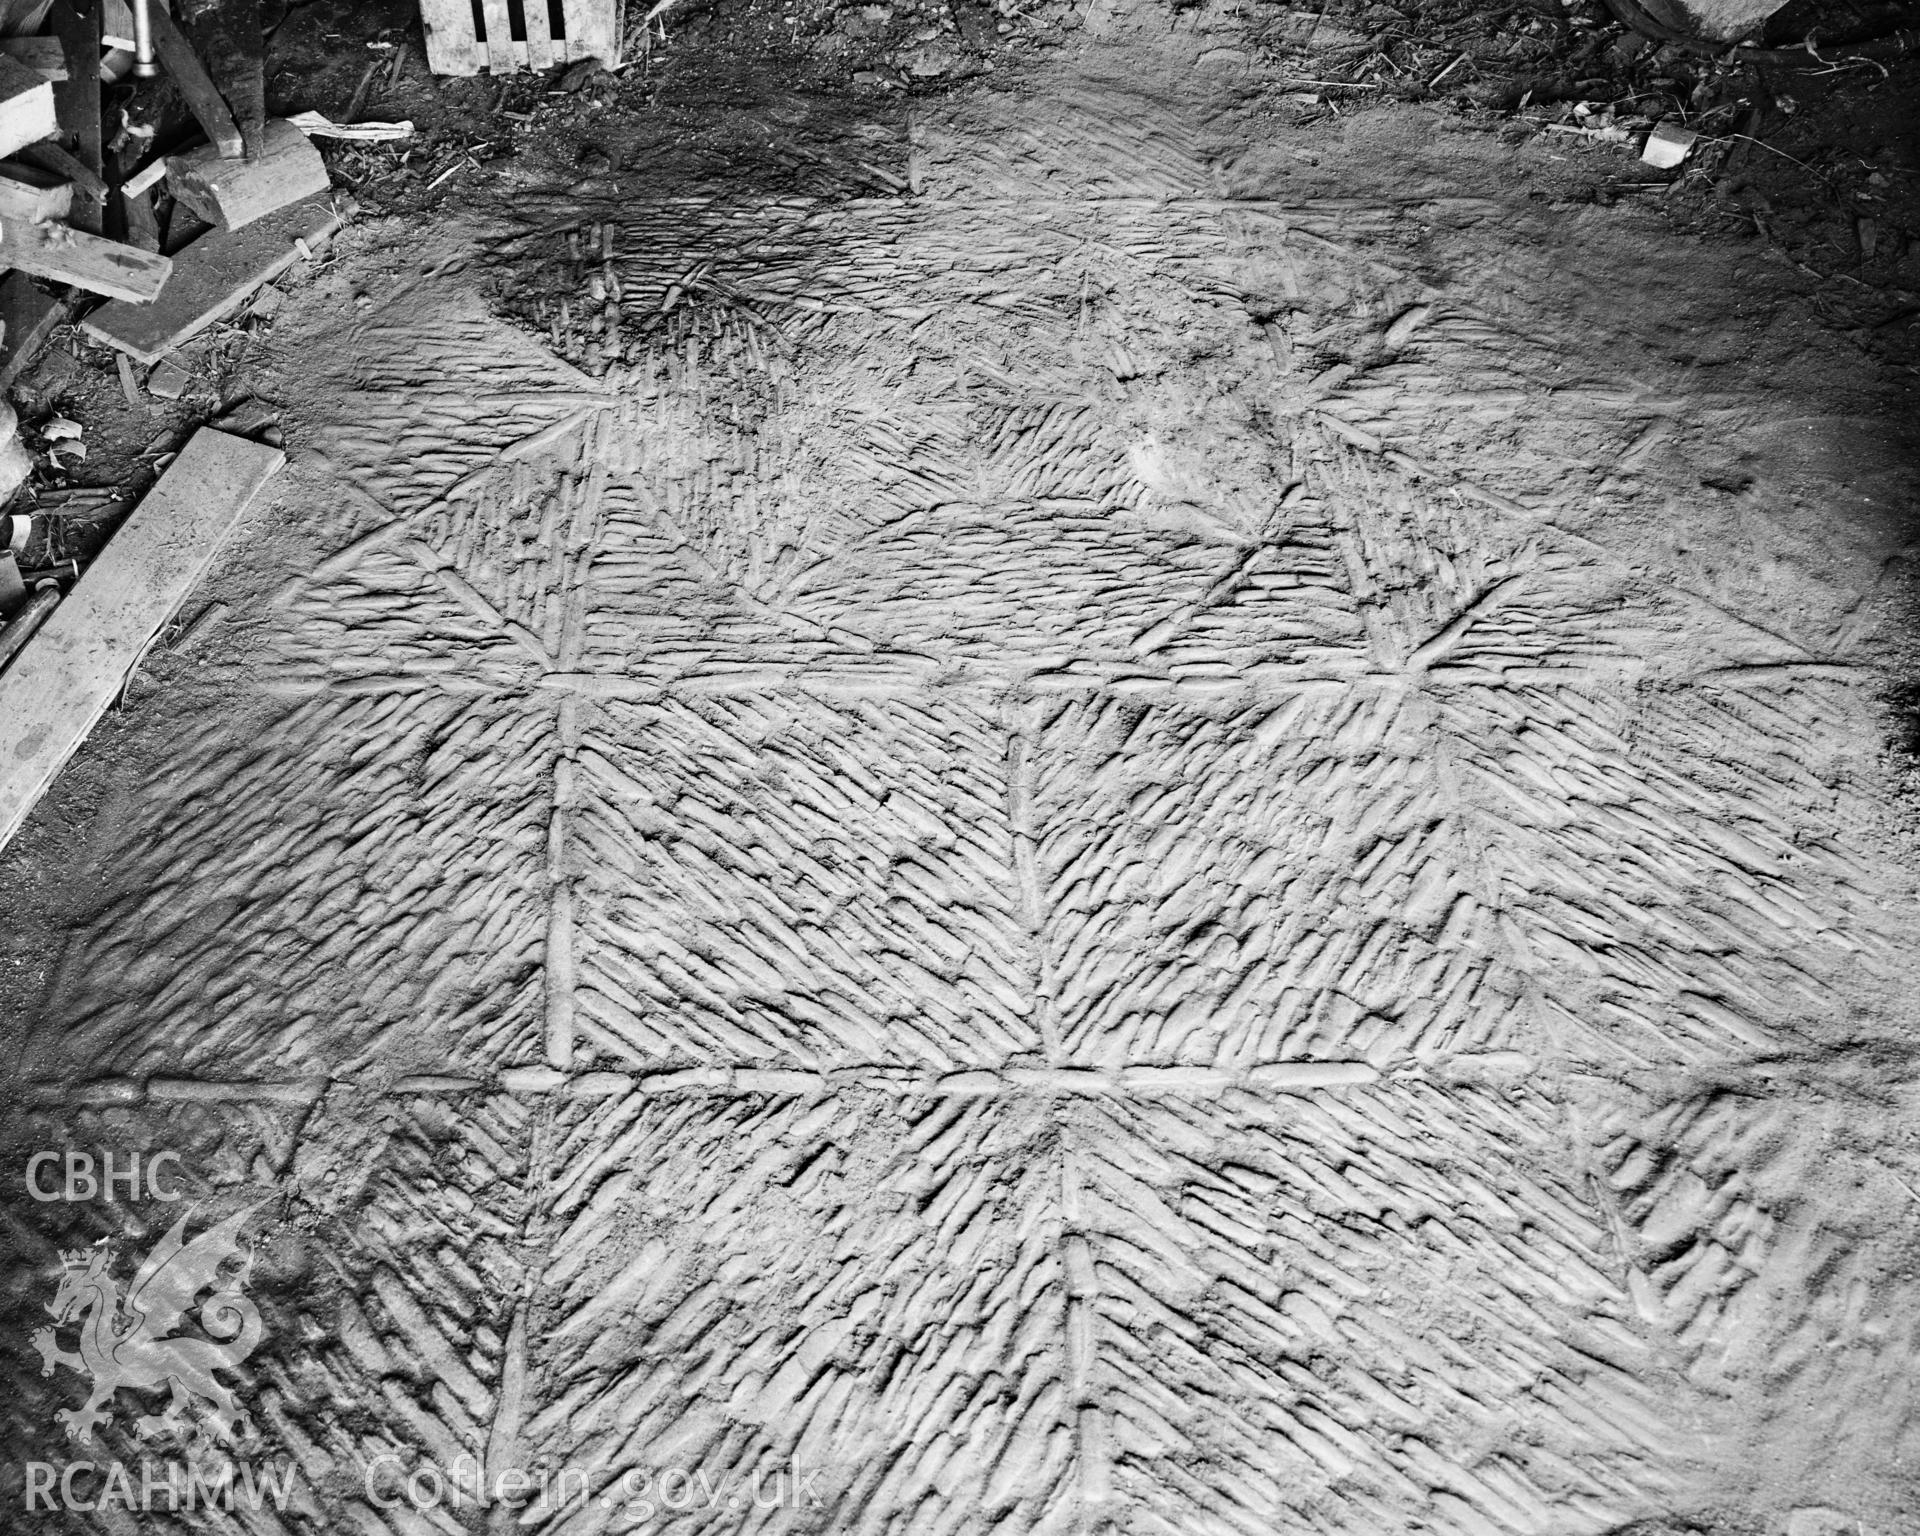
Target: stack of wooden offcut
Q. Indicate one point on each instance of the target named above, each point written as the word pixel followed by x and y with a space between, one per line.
pixel 144 239
pixel 195 202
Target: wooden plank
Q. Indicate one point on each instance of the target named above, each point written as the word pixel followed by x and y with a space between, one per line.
pixel 144 178
pixel 20 17
pixel 76 101
pixel 190 77
pixel 29 317
pixel 143 225
pixel 614 34
pixel 539 35
pixel 22 626
pixel 45 56
pixel 450 41
pixel 26 106
pixel 234 193
pixel 246 70
pixel 499 39
pixel 211 277
pixel 62 165
pixel 593 30
pixel 184 226
pixel 28 193
pixel 64 681
pixel 86 261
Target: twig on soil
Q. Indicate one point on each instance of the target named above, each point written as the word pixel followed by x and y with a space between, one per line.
pixel 1771 150
pixel 359 97
pixel 1447 71
pixel 1836 66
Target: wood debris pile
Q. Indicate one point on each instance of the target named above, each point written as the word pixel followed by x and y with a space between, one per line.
pixel 141 220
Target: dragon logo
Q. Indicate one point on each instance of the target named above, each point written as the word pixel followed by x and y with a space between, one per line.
pixel 124 1336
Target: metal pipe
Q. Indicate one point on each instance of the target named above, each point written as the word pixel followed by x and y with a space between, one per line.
pixel 143 66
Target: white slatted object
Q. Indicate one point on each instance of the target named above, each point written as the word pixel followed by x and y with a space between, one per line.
pixel 591 30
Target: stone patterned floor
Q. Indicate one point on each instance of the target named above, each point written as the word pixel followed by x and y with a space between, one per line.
pixel 989 876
